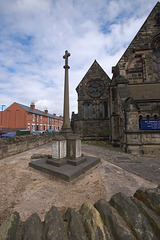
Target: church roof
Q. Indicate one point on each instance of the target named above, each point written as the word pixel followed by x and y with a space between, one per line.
pixel 145 91
pixel 141 92
pixel 144 37
pixel 124 93
pixel 95 72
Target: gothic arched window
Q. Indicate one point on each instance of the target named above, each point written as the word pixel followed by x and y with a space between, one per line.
pixel 158 61
pixel 86 111
pixel 105 109
pixel 90 111
pixel 101 110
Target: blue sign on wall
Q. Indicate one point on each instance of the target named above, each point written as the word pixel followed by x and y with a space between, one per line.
pixel 150 124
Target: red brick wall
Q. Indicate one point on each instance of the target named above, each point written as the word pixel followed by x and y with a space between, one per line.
pixel 16 117
pixel 53 123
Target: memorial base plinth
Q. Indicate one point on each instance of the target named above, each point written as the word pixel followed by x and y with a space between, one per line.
pixel 61 162
pixel 56 163
pixel 78 161
pixel 68 170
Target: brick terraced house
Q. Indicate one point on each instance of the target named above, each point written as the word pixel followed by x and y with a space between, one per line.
pixel 18 116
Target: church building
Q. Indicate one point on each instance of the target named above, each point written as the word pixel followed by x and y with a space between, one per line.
pixel 126 109
pixel 92 120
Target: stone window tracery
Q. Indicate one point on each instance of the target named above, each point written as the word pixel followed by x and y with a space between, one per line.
pixel 155 45
pixel 134 69
pixel 158 61
pixel 105 110
pixel 101 110
pixel 86 111
pixel 90 111
pixel 95 88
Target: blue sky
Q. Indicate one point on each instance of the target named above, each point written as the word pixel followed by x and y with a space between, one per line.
pixel 36 33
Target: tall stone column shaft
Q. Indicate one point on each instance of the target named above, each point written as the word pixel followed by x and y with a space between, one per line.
pixel 66 121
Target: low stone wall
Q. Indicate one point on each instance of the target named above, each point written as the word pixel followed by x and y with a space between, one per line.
pixel 147 143
pixel 14 145
pixel 122 218
pixel 135 143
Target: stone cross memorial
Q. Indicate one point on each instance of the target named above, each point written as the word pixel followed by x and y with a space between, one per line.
pixel 66 160
pixel 66 123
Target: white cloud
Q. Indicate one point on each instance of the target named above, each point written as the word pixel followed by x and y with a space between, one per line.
pixel 35 34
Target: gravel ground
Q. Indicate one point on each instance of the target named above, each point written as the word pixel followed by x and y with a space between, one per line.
pixel 27 190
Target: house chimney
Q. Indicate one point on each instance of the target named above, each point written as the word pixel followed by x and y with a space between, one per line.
pixel 32 106
pixel 46 111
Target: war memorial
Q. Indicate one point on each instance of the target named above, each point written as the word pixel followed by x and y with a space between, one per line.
pixel 66 161
pixel 124 111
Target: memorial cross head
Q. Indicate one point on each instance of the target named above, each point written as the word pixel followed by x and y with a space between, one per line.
pixel 67 54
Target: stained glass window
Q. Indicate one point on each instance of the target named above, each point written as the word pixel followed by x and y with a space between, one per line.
pixel 86 111
pixel 90 111
pixel 105 109
pixel 158 62
pixel 101 110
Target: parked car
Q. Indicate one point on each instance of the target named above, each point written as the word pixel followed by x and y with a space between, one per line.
pixel 33 132
pixel 8 135
pixel 37 132
pixel 40 131
pixel 50 131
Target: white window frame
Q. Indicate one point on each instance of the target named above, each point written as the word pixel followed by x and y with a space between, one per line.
pixel 33 126
pixel 33 117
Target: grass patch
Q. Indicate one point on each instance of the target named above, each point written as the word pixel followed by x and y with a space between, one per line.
pixel 13 204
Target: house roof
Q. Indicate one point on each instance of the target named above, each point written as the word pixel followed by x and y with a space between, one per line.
pixel 38 112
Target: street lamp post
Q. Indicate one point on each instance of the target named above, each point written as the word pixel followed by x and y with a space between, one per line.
pixel 2 115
